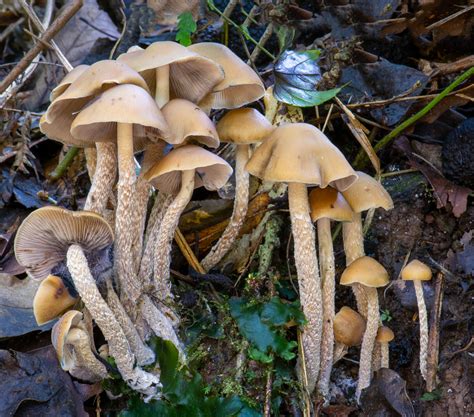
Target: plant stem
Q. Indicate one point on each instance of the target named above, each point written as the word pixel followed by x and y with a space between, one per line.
pixel 64 164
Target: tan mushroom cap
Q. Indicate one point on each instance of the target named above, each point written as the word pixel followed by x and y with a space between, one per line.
pixel 330 204
pixel 51 299
pixel 241 84
pixel 367 193
pixel 212 171
pixel 349 327
pixel 301 153
pixel 416 271
pixel 244 126
pixel 189 124
pixel 68 79
pixel 60 332
pixel 191 76
pixel 384 334
pixel 125 103
pixel 366 271
pixel 42 240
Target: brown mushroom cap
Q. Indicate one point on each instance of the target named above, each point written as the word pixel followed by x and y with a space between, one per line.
pixel 416 271
pixel 329 203
pixel 69 78
pixel 125 103
pixel 212 171
pixel 42 240
pixel 301 153
pixel 241 84
pixel 349 327
pixel 243 127
pixel 366 271
pixel 189 124
pixel 367 193
pixel 60 332
pixel 191 76
pixel 384 334
pixel 51 299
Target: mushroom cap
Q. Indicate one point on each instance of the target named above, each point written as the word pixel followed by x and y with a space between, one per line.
pixel 301 153
pixel 366 271
pixel 42 240
pixel 68 79
pixel 51 299
pixel 60 333
pixel 241 84
pixel 330 204
pixel 244 126
pixel 194 127
pixel 192 76
pixel 367 193
pixel 127 104
pixel 384 334
pixel 349 327
pixel 212 171
pixel 416 271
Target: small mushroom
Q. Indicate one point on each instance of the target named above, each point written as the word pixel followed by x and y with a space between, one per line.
pixel 242 127
pixel 68 79
pixel 418 272
pixel 327 204
pixel 349 327
pixel 384 337
pixel 371 275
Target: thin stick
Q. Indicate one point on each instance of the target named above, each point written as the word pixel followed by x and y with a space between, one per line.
pixel 187 251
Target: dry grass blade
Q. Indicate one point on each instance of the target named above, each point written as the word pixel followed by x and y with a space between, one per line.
pixel 188 252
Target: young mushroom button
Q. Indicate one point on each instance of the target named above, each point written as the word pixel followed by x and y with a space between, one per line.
pixel 349 328
pixel 384 337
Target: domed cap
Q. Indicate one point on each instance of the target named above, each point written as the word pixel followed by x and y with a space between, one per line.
pixel 51 299
pixel 416 271
pixel 298 152
pixel 191 76
pixel 60 333
pixel 122 104
pixel 42 240
pixel 241 84
pixel 244 126
pixel 212 171
pixel 366 271
pixel 384 334
pixel 69 78
pixel 367 193
pixel 349 327
pixel 189 124
pixel 328 203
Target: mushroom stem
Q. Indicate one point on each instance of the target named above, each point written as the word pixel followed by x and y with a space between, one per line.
pixel 423 316
pixel 353 237
pixel 142 194
pixel 238 214
pixel 91 161
pixel 85 284
pixel 326 256
pixel 164 239
pixel 368 342
pixel 162 91
pixel 104 178
pixel 306 262
pixel 376 357
pixel 384 355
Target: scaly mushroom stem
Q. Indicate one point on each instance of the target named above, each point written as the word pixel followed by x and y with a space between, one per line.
pixel 162 91
pixel 85 285
pixel 376 357
pixel 368 342
pixel 142 194
pixel 91 161
pixel 326 259
pixel 306 262
pixel 239 212
pixel 353 238
pixel 423 316
pixel 104 178
pixel 384 355
pixel 164 239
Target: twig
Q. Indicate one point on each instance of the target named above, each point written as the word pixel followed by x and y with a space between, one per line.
pixel 11 28
pixel 188 252
pixel 450 17
pixel 261 42
pixel 64 164
pixel 268 393
pixel 327 118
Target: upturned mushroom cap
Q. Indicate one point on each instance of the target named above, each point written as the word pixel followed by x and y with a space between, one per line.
pixel 241 84
pixel 68 79
pixel 243 127
pixel 125 103
pixel 367 193
pixel 42 240
pixel 384 334
pixel 51 299
pixel 212 171
pixel 301 153
pixel 191 76
pixel 349 327
pixel 189 124
pixel 366 271
pixel 416 271
pixel 59 335
pixel 329 203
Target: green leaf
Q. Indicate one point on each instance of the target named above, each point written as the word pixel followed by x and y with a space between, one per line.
pixel 186 27
pixel 168 360
pixel 258 355
pixel 431 396
pixel 285 35
pixel 278 313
